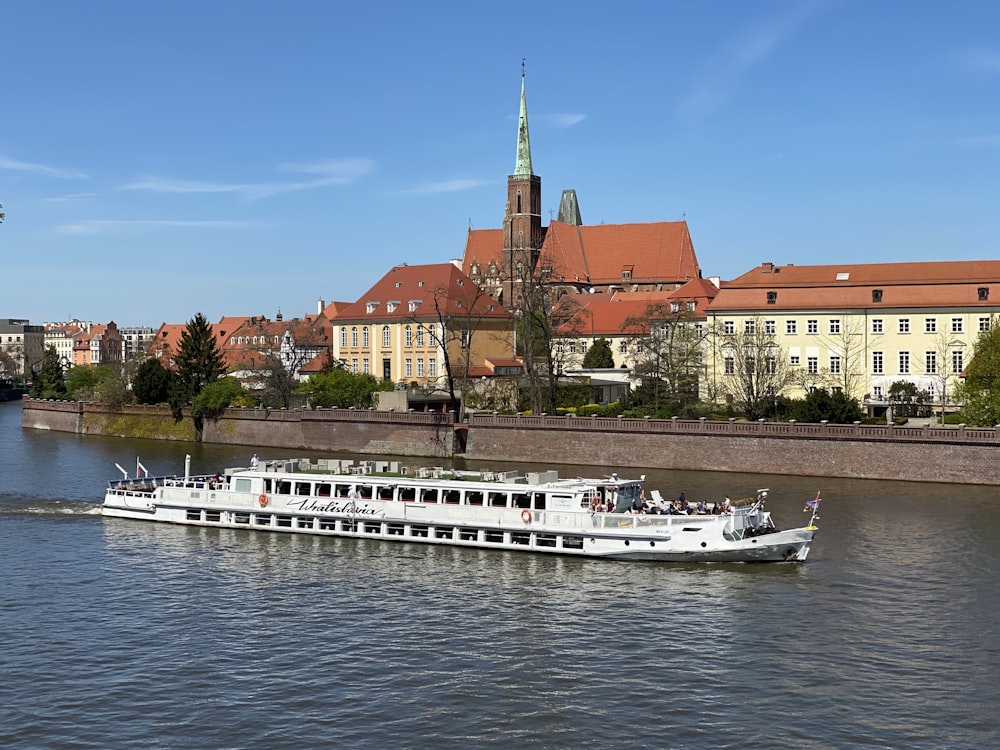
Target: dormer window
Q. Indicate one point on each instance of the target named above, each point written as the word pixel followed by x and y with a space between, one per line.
pixel 371 307
pixel 675 307
pixel 984 293
pixel 626 275
pixel 391 306
pixel 413 305
pixel 772 297
pixel 876 295
pixel 399 284
pixel 474 269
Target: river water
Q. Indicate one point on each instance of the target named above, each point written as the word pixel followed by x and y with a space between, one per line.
pixel 124 634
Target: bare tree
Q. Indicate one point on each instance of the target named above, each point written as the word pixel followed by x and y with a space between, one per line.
pixel 848 351
pixel 937 364
pixel 669 351
pixel 545 313
pixel 462 315
pixel 754 368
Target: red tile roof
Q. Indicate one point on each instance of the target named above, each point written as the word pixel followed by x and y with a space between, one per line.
pixel 858 286
pixel 656 252
pixel 420 284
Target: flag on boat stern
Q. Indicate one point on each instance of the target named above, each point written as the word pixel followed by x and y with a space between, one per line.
pixel 139 467
pixel 812 504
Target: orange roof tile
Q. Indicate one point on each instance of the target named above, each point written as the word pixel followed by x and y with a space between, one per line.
pixel 405 284
pixel 871 274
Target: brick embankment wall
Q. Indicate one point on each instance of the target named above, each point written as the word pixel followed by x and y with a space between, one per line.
pixel 335 430
pixel 929 455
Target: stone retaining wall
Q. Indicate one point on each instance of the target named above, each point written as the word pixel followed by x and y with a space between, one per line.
pixel 926 453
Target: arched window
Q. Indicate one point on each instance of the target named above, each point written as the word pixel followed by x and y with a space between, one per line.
pixel 354 336
pixel 420 335
pixel 408 336
pixel 343 336
pixel 386 337
pixel 364 337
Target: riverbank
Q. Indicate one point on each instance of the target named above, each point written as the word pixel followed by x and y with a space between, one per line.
pixel 923 453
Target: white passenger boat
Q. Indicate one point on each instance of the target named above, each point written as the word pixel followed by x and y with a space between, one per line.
pixel 537 512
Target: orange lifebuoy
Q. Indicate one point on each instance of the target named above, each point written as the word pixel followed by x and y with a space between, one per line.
pixel 526 515
pixel 263 500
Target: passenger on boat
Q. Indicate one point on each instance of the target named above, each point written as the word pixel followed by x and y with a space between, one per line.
pixel 702 508
pixel 254 461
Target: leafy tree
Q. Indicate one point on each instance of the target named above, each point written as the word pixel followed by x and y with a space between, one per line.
pixel 199 362
pixel 82 381
pixel 341 388
pixel 599 355
pixel 151 384
pixel 906 394
pixel 981 389
pixel 49 381
pixel 836 407
pixel 219 395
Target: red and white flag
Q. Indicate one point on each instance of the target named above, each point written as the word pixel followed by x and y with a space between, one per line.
pixel 139 467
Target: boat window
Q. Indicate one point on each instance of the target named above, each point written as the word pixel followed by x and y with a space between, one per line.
pixel 429 495
pixel 365 491
pixel 323 489
pixel 341 490
pixel 539 501
pixel 303 488
pixel 283 487
pixel 521 500
pixel 243 485
pixel 268 487
pixel 385 493
pixel 407 494
pixel 498 499
pixel 452 497
pixel 474 498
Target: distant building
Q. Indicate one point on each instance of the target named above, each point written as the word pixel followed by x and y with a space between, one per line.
pixel 403 326
pixel 861 327
pixel 22 347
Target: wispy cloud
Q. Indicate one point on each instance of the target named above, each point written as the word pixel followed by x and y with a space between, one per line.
pixel 741 55
pixel 69 197
pixel 321 174
pixel 981 140
pixel 981 60
pixel 103 226
pixel 563 120
pixel 446 186
pixel 61 173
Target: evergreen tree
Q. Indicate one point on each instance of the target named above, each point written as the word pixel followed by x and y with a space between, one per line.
pixel 199 362
pixel 599 355
pixel 151 384
pixel 50 380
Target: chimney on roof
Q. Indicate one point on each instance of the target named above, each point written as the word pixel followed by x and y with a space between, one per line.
pixel 320 305
pixel 767 267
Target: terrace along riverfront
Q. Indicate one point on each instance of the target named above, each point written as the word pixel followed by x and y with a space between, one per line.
pixel 607 517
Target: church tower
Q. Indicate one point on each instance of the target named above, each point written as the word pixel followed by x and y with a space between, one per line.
pixel 522 221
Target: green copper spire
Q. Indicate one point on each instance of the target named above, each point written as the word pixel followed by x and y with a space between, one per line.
pixel 523 165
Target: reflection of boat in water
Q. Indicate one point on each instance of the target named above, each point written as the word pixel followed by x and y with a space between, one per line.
pixel 536 511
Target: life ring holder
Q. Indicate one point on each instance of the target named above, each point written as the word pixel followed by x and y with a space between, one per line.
pixel 526 515
pixel 263 500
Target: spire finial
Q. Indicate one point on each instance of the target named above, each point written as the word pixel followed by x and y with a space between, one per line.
pixel 522 166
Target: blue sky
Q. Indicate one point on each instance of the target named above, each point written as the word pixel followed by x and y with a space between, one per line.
pixel 240 157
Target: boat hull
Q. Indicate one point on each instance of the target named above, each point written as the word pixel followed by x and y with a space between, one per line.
pixel 677 539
